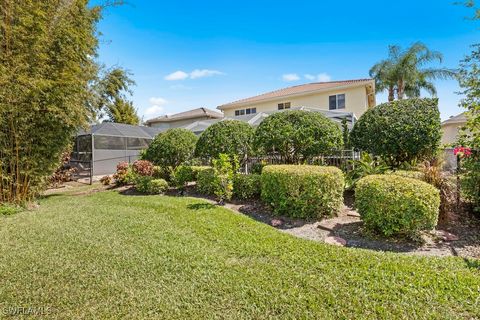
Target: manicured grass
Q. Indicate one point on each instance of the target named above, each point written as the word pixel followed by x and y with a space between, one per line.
pixel 107 255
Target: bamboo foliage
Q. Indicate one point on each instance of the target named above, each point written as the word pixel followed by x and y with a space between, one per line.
pixel 46 62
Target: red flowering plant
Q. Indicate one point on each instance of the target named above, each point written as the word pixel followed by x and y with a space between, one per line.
pixel 143 168
pixel 122 175
pixel 462 151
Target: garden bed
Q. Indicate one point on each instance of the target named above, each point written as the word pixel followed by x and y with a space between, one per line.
pixel 457 237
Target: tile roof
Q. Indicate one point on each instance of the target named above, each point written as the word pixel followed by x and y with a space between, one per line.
pixel 304 88
pixel 459 118
pixel 194 113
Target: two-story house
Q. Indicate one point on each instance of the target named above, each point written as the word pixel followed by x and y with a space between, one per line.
pixel 349 96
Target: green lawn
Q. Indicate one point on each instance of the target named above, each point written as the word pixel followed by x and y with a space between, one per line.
pixel 107 255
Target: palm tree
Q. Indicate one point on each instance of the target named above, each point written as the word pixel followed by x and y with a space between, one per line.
pixel 404 72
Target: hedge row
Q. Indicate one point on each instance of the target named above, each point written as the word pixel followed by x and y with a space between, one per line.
pixel 395 205
pixel 303 191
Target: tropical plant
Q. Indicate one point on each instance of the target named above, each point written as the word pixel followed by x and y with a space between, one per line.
pixel 399 131
pixel 404 72
pixel 296 136
pixel 47 52
pixel 367 165
pixel 232 137
pixel 171 148
pixel 143 168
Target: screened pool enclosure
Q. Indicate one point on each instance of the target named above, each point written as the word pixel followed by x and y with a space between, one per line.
pixel 97 151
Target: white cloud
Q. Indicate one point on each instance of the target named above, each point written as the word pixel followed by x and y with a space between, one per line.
pixel 154 111
pixel 204 73
pixel 157 101
pixel 177 75
pixel 157 107
pixel 290 77
pixel 195 74
pixel 321 77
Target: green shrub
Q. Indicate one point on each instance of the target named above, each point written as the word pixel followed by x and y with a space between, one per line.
pixel 470 179
pixel 302 191
pixel 393 205
pixel 157 186
pixel 9 209
pixel 247 186
pixel 399 131
pixel 149 185
pixel 171 148
pixel 409 174
pixel 232 137
pixel 206 181
pixel 196 170
pixel 224 170
pixel 296 136
pixel 182 175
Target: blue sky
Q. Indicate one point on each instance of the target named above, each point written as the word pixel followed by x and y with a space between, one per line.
pixel 188 54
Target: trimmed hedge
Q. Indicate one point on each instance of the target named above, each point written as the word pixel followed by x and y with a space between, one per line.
pixel 394 205
pixel 297 135
pixel 247 186
pixel 149 185
pixel 302 191
pixel 409 174
pixel 399 131
pixel 206 181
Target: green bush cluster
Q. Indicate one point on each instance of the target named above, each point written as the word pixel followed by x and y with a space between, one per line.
pixel 399 131
pixel 171 148
pixel 232 137
pixel 409 174
pixel 247 186
pixel 296 136
pixel 206 181
pixel 302 191
pixel 150 185
pixel 394 205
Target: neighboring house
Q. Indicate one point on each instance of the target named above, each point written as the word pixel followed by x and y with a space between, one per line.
pixel 182 119
pixel 351 96
pixel 451 128
pixel 255 119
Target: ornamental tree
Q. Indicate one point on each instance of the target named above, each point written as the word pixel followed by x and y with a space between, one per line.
pixel 399 131
pixel 232 137
pixel 171 148
pixel 296 136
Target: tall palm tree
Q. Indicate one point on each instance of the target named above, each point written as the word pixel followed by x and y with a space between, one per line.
pixel 404 72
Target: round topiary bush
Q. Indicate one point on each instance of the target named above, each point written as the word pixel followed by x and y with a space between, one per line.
pixel 297 135
pixel 301 191
pixel 232 137
pixel 171 148
pixel 399 131
pixel 394 205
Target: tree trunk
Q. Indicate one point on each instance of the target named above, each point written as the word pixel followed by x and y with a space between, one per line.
pixel 391 93
pixel 401 89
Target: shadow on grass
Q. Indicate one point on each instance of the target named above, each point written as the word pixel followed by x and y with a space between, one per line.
pixel 201 206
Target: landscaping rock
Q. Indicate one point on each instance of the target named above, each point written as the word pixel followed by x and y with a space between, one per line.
pixel 446 236
pixel 276 223
pixel 336 241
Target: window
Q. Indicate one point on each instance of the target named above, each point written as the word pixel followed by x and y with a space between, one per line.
pixel 285 105
pixel 242 112
pixel 336 102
